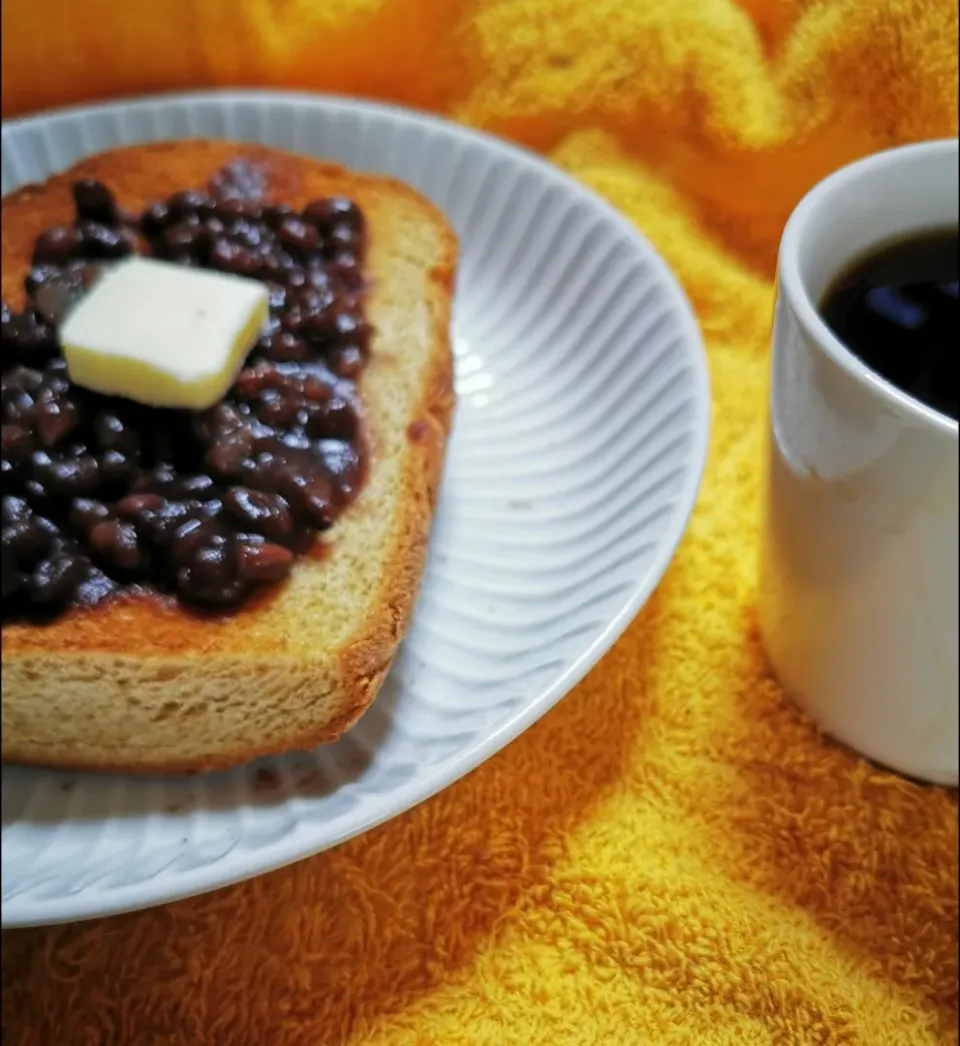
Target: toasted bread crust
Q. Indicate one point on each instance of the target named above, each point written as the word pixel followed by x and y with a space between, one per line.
pixel 140 684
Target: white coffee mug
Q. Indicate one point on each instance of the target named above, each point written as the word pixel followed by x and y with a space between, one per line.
pixel 858 574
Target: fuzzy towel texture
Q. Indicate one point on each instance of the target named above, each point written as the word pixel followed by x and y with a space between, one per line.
pixel 673 855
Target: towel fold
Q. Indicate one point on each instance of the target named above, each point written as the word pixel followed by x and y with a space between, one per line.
pixel 673 855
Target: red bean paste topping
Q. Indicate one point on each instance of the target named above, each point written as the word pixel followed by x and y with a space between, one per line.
pixel 101 494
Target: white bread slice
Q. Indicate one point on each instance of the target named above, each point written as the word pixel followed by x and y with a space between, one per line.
pixel 140 684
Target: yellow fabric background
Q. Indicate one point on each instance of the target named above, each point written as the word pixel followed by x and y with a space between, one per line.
pixel 673 855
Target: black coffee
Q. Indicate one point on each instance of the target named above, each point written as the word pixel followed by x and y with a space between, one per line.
pixel 897 309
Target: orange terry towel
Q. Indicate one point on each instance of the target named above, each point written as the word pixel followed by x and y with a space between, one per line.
pixel 673 855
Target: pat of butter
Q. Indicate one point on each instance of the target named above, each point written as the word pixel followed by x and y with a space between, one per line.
pixel 162 334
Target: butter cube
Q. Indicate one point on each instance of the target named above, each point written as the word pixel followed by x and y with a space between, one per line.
pixel 163 335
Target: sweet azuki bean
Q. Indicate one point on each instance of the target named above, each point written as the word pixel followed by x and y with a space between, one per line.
pixel 207 506
pixel 94 202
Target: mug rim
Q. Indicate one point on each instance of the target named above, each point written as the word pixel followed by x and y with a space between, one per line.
pixel 794 290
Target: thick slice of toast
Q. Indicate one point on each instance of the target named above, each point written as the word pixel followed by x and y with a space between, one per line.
pixel 141 684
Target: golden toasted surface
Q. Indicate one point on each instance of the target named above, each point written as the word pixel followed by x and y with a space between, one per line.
pixel 313 651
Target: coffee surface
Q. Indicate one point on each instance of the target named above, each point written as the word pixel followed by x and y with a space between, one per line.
pixel 896 308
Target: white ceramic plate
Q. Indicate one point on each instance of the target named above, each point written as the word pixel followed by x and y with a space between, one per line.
pixel 578 446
